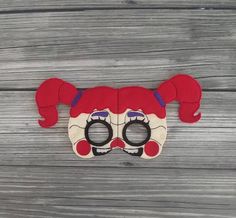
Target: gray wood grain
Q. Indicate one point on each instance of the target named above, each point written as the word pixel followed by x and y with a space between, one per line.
pixel 121 47
pixel 117 43
pixel 112 192
pixel 111 4
pixel 209 143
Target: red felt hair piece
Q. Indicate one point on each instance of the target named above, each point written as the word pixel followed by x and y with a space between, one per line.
pixel 187 91
pixel 50 93
pixel 182 88
pixel 118 100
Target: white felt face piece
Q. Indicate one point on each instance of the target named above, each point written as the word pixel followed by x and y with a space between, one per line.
pixel 143 134
pixel 134 132
pixel 83 144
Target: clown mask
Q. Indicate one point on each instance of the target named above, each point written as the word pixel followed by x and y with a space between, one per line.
pixel 117 111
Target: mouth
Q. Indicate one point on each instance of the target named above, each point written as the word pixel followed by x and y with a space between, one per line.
pixel 134 151
pixel 100 151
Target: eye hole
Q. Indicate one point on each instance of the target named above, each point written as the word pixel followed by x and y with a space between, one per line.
pixel 98 132
pixel 136 133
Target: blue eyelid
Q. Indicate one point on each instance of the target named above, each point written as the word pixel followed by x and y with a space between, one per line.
pixel 135 114
pixel 100 114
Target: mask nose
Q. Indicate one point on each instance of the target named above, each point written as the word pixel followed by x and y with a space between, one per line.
pixel 117 143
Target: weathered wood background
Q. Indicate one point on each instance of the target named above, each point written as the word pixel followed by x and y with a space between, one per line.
pixel 117 43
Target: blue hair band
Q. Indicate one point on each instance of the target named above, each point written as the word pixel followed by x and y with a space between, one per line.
pixel 76 99
pixel 159 99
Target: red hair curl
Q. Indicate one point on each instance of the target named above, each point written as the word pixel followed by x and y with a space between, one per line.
pixel 187 91
pixel 49 94
pixel 182 88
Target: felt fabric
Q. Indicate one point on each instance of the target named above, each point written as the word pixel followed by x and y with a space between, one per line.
pixel 185 90
pixel 49 94
pixel 117 109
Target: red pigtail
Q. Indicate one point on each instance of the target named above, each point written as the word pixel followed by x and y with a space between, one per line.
pixel 49 94
pixel 187 92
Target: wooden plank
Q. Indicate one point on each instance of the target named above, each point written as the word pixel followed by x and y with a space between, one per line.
pixel 209 143
pixel 55 150
pixel 120 47
pixel 39 174
pixel 218 111
pixel 109 192
pixel 111 4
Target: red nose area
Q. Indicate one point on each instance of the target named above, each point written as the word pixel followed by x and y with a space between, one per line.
pixel 117 143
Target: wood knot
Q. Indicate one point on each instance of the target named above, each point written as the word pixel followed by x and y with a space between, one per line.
pixel 128 164
pixel 131 2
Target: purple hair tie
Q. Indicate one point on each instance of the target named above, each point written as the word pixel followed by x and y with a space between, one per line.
pixel 159 99
pixel 76 99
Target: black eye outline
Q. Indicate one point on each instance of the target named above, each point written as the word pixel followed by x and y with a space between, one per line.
pixel 144 124
pixel 103 122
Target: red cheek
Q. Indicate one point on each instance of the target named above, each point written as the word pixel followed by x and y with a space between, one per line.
pixel 151 148
pixel 83 147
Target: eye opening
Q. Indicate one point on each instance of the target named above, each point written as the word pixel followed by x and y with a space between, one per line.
pixel 102 123
pixel 133 123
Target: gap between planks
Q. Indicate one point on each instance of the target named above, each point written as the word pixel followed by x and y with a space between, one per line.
pixel 57 10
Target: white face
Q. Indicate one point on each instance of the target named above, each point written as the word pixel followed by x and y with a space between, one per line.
pixel 120 136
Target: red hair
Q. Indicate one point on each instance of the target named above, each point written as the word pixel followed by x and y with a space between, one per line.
pixel 187 92
pixel 49 94
pixel 117 100
pixel 182 88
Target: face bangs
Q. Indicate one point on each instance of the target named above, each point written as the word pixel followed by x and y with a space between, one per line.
pixel 118 101
pixel 139 98
pixel 98 98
